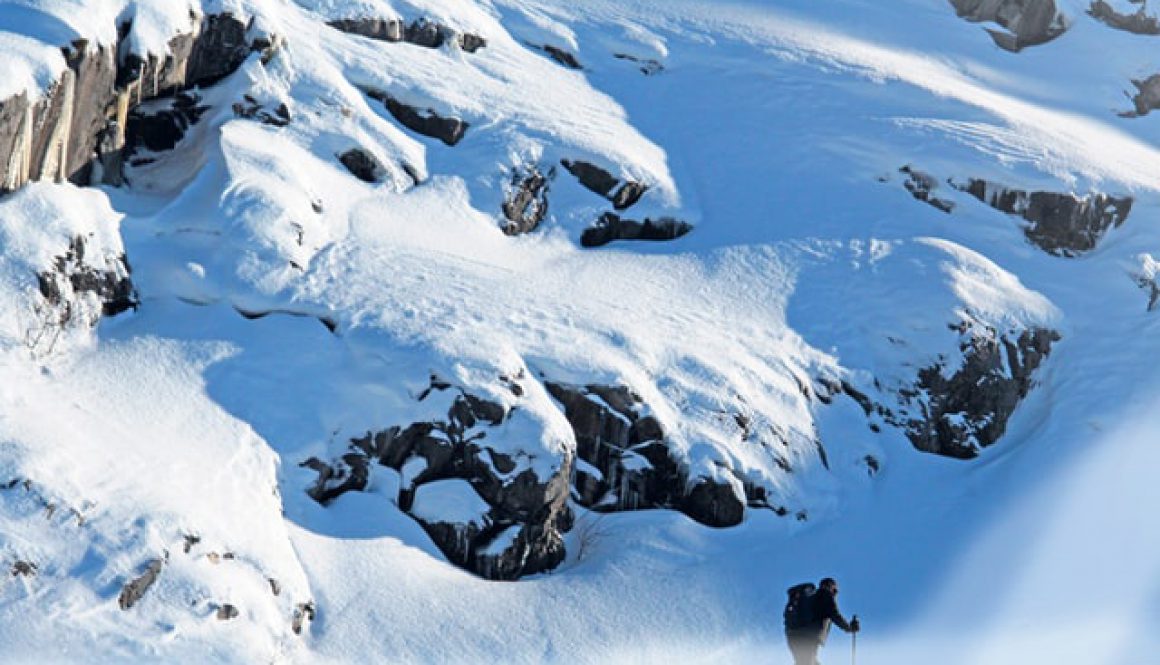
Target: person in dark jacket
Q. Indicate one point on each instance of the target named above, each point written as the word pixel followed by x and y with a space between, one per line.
pixel 804 642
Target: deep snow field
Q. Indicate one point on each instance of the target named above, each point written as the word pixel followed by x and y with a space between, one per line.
pixel 777 129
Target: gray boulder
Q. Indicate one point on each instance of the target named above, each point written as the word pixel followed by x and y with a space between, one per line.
pixel 526 202
pixel 1026 22
pixel 1140 22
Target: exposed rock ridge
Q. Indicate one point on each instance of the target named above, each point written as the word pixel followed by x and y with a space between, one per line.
pixel 420 32
pixel 1061 224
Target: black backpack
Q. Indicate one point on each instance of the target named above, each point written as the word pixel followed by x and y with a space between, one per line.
pixel 799 608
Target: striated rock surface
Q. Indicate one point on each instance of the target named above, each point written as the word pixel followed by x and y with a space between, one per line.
pixel 1060 224
pixel 77 130
pixel 1026 22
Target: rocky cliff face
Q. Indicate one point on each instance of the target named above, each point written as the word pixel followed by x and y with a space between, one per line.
pixel 77 129
pixel 1026 22
pixel 1140 22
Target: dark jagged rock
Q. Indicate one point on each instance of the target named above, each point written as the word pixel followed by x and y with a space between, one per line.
pixel 1027 22
pixel 718 504
pixel 250 108
pixel 1147 97
pixel 348 473
pixel 76 273
pixel 227 612
pixel 612 227
pixel 363 165
pixel 628 465
pixel 602 182
pixel 561 56
pixel 163 129
pixel 421 32
pixel 959 414
pixel 1061 224
pixel 1139 22
pixel 526 203
pixel 303 614
pixel 428 123
pixel 922 185
pixel 132 592
pixel 532 511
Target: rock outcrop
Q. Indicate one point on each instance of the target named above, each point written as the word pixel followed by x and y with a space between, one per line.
pixel 624 462
pixel 363 165
pixel 427 122
pixel 1140 22
pixel 957 409
pixel 1147 97
pixel 421 32
pixel 77 130
pixel 79 288
pixel 135 589
pixel 496 514
pixel 612 227
pixel 921 186
pixel 1026 22
pixel 525 204
pixel 622 194
pixel 1060 224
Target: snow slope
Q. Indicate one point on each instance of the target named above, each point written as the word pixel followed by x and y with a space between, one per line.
pixel 777 129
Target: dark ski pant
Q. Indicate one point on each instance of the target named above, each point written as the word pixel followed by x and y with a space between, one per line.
pixel 804 649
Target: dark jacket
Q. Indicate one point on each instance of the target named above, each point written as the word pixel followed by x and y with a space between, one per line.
pixel 825 612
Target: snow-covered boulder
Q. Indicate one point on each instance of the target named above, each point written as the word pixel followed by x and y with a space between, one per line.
pixel 63 267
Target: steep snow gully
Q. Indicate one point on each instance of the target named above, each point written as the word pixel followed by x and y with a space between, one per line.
pixel 538 331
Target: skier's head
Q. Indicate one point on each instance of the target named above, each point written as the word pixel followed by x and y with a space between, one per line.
pixel 830 585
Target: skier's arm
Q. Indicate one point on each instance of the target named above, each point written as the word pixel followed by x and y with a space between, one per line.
pixel 830 611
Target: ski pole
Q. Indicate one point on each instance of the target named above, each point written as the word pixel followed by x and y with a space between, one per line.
pixel 854 645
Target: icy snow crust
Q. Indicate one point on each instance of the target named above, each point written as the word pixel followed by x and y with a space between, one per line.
pixel 778 130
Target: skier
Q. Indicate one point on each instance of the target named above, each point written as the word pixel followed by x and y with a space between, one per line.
pixel 808 618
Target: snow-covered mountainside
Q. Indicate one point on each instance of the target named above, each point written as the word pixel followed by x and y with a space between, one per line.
pixel 546 331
